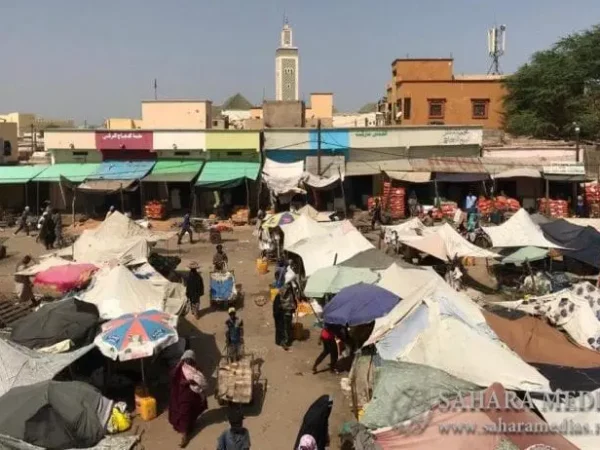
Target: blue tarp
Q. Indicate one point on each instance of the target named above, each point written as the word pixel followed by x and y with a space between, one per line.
pixel 122 170
pixel 222 288
pixel 359 304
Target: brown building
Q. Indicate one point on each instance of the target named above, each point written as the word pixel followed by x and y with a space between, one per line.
pixel 426 92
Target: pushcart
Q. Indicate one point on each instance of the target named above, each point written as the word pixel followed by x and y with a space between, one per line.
pixel 235 380
pixel 223 291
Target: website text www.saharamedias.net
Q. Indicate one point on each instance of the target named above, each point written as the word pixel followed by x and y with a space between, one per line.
pixel 566 427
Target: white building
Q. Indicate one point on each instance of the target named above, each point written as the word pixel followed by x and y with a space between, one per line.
pixel 286 67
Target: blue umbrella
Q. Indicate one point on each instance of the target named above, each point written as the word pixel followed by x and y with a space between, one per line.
pixel 359 304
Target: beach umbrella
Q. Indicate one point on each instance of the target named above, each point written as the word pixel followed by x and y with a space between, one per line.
pixel 359 304
pixel 331 280
pixel 279 219
pixel 135 336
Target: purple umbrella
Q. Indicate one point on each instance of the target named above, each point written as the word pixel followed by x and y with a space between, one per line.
pixel 359 304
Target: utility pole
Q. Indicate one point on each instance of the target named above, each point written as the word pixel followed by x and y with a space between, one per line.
pixel 319 147
pixel 577 131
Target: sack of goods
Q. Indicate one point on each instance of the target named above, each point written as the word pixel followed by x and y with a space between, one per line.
pixel 449 209
pixel 394 199
pixel 156 210
pixel 484 205
pixel 503 203
pixel 592 193
pixel 554 208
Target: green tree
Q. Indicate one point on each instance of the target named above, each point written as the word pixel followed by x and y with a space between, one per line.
pixel 558 87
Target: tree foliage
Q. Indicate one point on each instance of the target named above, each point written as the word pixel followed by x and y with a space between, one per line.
pixel 558 87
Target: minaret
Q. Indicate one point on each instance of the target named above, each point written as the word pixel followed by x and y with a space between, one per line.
pixel 286 67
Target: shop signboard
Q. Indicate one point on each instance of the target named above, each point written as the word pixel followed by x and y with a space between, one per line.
pixel 124 140
pixel 564 168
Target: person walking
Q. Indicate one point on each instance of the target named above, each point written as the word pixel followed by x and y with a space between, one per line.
pixel 376 213
pixel 58 234
pixel 234 336
pixel 327 339
pixel 23 223
pixel 49 227
pixel 23 285
pixel 186 227
pixel 187 397
pixel 288 308
pixel 236 437
pixel 194 289
pixel 316 424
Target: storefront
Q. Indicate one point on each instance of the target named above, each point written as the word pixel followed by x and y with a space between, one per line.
pixel 125 145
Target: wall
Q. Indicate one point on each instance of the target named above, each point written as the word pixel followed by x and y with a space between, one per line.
pixel 321 106
pixel 63 156
pixel 182 140
pixel 229 144
pixel 422 69
pixel 117 123
pixel 9 133
pixel 58 139
pixel 371 119
pixel 256 113
pixel 429 136
pixel 176 115
pixel 533 154
pixel 283 114
pixel 23 121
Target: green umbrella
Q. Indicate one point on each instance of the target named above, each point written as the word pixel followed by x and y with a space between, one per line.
pixel 332 280
pixel 526 253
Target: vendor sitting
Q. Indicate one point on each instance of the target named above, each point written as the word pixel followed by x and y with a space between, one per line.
pixel 220 260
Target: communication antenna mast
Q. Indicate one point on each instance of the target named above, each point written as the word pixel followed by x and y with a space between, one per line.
pixel 496 39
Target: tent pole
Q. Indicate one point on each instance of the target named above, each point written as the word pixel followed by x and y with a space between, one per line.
pixel 247 197
pixel 37 188
pixel 343 194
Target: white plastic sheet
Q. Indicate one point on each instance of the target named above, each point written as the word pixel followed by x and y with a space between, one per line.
pixel 283 178
pixel 518 231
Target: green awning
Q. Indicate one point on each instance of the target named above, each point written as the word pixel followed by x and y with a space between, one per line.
pixel 174 171
pixel 75 172
pixel 19 174
pixel 227 174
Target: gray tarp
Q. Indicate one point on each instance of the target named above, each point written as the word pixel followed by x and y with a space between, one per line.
pixel 53 415
pixel 108 443
pixel 405 390
pixel 20 366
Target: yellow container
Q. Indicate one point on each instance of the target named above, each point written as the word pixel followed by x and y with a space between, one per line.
pixel 262 266
pixel 145 405
pixel 273 293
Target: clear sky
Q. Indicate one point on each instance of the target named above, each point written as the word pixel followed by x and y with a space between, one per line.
pixel 91 59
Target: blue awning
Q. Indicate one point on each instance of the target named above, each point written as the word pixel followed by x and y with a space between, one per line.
pixel 122 170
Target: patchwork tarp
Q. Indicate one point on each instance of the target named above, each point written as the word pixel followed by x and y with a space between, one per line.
pixel 20 366
pixel 403 391
pixel 518 231
pixel 580 243
pixel 283 178
pixel 117 291
pixel 301 229
pixel 446 244
pixel 339 245
pixel 331 280
pixel 537 342
pixel 576 310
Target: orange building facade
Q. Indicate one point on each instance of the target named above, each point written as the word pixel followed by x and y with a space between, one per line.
pixel 426 92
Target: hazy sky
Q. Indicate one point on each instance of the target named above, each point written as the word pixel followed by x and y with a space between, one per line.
pixel 91 59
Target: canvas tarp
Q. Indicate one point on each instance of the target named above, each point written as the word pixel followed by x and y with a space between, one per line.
pixel 373 259
pixel 319 216
pixel 594 223
pixel 525 254
pixel 108 443
pixel 107 186
pixel 120 226
pixel 20 366
pixel 446 244
pixel 403 391
pixel 44 264
pixel 522 172
pixel 579 243
pixel 518 231
pixel 454 327
pixel 332 280
pixel 301 229
pixel 90 249
pixel 319 182
pixel 504 417
pixel 283 178
pixel 117 291
pixel 409 177
pixel 576 310
pixel 537 342
pixel 339 245
pixel 410 228
pixel 404 281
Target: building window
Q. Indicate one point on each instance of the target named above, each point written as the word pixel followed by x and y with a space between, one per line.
pixel 407 108
pixel 436 108
pixel 480 107
pixel 7 148
pixel 436 122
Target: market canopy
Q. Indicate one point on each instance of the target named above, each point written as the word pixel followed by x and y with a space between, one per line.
pixel 122 170
pixel 518 231
pixel 530 254
pixel 74 172
pixel 580 243
pixel 409 177
pixel 283 178
pixel 167 171
pixel 227 174
pixel 19 173
pixel 303 227
pixel 359 304
pixel 332 280
pixel 446 244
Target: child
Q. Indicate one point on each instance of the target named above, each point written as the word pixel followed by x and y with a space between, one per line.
pixel 237 437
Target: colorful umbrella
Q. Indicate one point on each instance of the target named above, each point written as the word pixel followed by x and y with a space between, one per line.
pixel 359 304
pixel 279 219
pixel 134 336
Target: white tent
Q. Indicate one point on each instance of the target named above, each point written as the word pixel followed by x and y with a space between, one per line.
pixel 117 291
pixel 120 226
pixel 405 281
pixel 518 231
pixel 319 216
pixel 91 249
pixel 300 229
pixel 411 228
pixel 283 178
pixel 338 245
pixel 437 326
pixel 445 243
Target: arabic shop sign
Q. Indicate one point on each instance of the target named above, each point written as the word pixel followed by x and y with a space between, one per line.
pixel 564 168
pixel 124 140
pixel 369 133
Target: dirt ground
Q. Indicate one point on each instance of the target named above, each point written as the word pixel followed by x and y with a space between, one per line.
pixel 274 419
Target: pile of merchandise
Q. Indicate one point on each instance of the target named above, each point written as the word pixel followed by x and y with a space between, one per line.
pixel 592 199
pixel 394 200
pixel 553 208
pixel 448 209
pixel 156 210
pixel 240 216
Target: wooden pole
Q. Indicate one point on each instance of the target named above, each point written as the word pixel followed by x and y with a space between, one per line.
pixel 547 197
pixel 142 212
pixel 122 198
pixel 343 194
pixel 247 196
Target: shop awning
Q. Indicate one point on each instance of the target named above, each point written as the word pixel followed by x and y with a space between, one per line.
pixel 174 171
pixel 227 174
pixel 72 171
pixel 362 168
pixel 19 174
pixel 106 186
pixel 461 177
pixel 122 170
pixel 522 172
pixel 409 177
